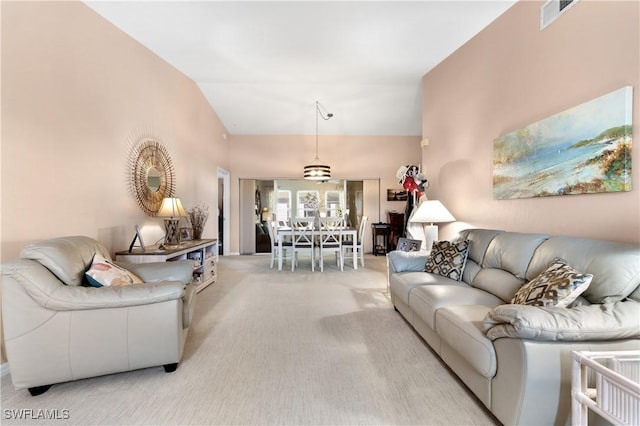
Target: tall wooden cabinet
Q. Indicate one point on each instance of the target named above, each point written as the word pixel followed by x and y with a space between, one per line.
pixel 203 253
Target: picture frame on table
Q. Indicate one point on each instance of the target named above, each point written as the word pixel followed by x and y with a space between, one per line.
pixel 407 244
pixel 137 237
pixel 186 234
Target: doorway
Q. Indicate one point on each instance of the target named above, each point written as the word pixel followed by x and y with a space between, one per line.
pixel 224 201
pixel 261 199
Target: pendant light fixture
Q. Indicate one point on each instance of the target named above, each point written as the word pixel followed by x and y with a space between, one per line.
pixel 317 171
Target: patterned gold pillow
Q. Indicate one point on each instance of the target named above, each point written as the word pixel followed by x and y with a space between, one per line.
pixel 448 258
pixel 558 285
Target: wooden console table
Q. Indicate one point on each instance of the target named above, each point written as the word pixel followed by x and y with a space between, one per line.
pixel 204 254
pixel 381 233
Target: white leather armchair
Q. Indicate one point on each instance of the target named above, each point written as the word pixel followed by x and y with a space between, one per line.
pixel 56 329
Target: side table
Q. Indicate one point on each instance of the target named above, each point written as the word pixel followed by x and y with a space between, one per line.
pixel 203 253
pixel 381 233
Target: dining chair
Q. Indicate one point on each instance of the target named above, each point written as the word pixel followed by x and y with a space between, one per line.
pixel 302 239
pixel 275 244
pixel 358 244
pixel 331 239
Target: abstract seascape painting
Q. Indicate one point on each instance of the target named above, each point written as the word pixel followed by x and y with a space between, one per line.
pixel 583 150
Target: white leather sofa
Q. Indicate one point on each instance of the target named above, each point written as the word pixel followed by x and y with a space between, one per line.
pixel 516 359
pixel 56 329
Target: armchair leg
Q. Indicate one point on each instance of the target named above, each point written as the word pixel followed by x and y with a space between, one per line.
pixel 170 368
pixel 39 390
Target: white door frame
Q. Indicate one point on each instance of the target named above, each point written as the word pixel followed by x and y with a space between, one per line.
pixel 226 210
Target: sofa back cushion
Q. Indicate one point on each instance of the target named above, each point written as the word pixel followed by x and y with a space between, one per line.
pixel 512 252
pixel 67 257
pixel 505 263
pixel 479 240
pixel 502 284
pixel 615 266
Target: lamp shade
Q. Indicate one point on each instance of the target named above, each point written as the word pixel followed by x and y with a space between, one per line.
pixel 432 211
pixel 171 207
pixel 317 172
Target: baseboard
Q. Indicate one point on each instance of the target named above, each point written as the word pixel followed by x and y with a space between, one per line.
pixel 4 369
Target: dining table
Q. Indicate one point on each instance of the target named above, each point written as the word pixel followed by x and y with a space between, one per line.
pixel 285 231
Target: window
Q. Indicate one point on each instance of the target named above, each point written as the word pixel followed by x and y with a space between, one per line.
pixel 332 203
pixel 283 206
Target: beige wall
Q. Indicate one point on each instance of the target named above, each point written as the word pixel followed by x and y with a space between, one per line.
pixel 74 87
pixel 350 157
pixel 511 75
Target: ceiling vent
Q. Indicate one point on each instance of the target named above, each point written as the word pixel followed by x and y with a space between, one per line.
pixel 552 10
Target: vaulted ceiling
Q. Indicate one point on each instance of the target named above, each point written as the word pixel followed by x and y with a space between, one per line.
pixel 262 65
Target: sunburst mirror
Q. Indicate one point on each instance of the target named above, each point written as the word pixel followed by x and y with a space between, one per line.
pixel 151 174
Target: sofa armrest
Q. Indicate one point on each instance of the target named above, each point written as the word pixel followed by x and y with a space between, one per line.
pixel 49 292
pixel 71 298
pixel 609 321
pixel 179 270
pixel 407 261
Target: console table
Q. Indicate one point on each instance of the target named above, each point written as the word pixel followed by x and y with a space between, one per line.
pixel 381 233
pixel 204 254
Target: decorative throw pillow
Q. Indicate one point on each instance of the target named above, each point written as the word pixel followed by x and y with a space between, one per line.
pixel 103 272
pixel 558 285
pixel 448 258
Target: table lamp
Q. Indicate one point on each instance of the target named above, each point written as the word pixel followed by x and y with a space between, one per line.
pixel 266 215
pixel 172 210
pixel 431 211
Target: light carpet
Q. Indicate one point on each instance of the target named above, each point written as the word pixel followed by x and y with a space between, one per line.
pixel 276 347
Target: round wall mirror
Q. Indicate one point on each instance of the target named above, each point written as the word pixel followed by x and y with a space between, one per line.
pixel 154 179
pixel 151 174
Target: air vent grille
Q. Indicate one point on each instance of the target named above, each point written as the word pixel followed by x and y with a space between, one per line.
pixel 552 9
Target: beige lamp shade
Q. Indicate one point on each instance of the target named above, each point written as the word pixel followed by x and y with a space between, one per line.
pixel 171 207
pixel 432 211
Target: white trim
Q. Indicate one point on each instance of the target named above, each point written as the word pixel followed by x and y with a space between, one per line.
pixel 4 369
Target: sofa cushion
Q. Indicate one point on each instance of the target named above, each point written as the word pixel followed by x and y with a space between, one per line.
pixel 558 285
pixel 608 321
pixel 470 271
pixel 403 261
pixel 615 266
pixel 426 300
pixel 103 272
pixel 461 327
pixel 512 252
pixel 401 284
pixel 67 257
pixel 498 282
pixel 448 259
pixel 480 240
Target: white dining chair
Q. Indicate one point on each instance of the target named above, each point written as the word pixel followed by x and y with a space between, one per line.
pixel 331 239
pixel 358 244
pixel 275 244
pixel 302 239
